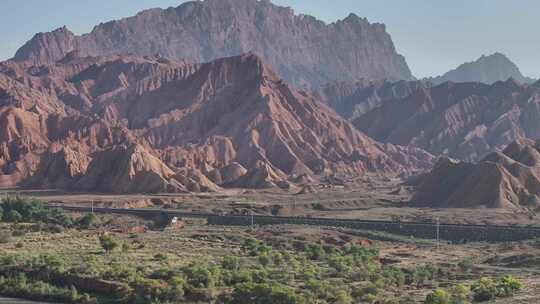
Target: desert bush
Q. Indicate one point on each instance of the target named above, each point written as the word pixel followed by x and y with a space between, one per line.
pixel 86 221
pixel 460 294
pixel 315 252
pixel 108 242
pixel 201 276
pixel 366 294
pixel 439 296
pixel 230 263
pixel 264 294
pixel 466 264
pixel 484 289
pixel 507 286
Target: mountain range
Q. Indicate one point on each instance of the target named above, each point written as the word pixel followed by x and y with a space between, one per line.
pixel 303 50
pixel 127 123
pixel 462 120
pixel 220 94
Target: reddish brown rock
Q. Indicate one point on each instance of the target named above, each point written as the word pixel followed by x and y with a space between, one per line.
pixel 154 125
pixel 303 50
pixel 510 179
pixel 128 170
pixel 462 120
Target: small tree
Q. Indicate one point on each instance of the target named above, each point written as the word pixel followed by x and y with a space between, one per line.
pixel 108 243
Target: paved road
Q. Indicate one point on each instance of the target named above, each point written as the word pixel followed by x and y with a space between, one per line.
pixel 451 232
pixel 16 301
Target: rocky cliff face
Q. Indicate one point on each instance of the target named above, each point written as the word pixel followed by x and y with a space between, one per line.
pixel 353 99
pixel 134 124
pixel 462 120
pixel 487 69
pixel 502 180
pixel 302 49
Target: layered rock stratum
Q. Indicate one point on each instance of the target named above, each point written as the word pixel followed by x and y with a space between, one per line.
pixel 302 49
pixel 508 179
pixel 124 123
pixel 465 121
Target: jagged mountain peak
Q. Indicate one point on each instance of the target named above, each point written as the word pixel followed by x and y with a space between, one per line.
pixel 487 69
pixel 201 31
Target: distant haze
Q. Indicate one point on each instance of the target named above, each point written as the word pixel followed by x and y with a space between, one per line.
pixel 434 36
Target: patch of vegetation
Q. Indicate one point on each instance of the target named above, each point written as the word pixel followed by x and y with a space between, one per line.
pixel 175 267
pixel 27 210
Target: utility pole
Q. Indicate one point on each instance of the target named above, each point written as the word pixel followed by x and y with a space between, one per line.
pixel 251 212
pixel 92 207
pixel 438 233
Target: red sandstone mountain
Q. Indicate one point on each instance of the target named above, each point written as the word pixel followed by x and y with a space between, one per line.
pixel 462 120
pixel 302 49
pixel 133 124
pixel 510 179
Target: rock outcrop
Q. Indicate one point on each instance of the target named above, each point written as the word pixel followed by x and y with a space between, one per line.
pixel 462 120
pixel 151 124
pixel 487 69
pixel 304 50
pixel 509 179
pixel 131 169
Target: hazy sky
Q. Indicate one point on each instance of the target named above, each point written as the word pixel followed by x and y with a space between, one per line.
pixel 434 35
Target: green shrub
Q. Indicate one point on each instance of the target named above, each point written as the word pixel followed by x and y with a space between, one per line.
pixel 460 294
pixel 86 221
pixel 264 260
pixel 265 294
pixel 19 209
pixel 230 263
pixel 315 252
pixel 108 243
pixel 201 276
pixel 13 216
pixel 366 294
pixel 484 289
pixel 466 264
pixel 507 286
pixel 439 296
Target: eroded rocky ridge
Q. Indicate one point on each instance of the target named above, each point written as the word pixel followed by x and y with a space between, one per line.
pixel 149 124
pixel 353 99
pixel 486 69
pixel 465 121
pixel 302 49
pixel 508 179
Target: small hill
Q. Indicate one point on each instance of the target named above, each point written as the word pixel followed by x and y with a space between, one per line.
pixel 509 179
